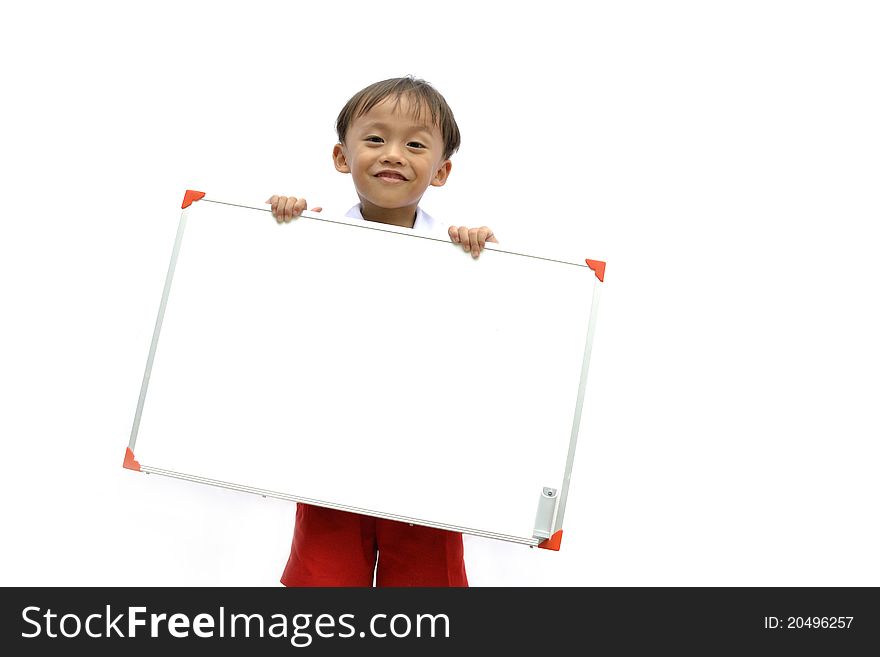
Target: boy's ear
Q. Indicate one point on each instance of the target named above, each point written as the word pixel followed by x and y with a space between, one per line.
pixel 339 159
pixel 442 174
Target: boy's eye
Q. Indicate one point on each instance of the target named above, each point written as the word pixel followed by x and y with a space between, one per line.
pixel 416 144
pixel 374 139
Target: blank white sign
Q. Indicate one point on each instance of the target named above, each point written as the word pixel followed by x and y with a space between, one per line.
pixel 368 368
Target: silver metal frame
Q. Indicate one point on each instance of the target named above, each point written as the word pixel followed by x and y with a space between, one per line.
pixel 551 507
pixel 164 302
pixel 339 507
pixel 575 425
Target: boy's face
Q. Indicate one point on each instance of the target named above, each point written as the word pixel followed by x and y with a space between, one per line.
pixel 392 157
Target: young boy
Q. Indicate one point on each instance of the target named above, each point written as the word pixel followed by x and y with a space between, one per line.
pixel 395 139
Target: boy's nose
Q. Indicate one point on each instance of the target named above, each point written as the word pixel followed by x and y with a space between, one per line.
pixel 392 154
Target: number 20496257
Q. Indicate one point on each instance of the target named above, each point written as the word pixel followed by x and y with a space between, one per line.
pixel 808 622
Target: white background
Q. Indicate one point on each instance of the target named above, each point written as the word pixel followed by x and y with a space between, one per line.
pixel 721 157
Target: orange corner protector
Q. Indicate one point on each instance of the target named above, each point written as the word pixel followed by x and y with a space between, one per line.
pixel 190 197
pixel 553 542
pixel 599 267
pixel 129 461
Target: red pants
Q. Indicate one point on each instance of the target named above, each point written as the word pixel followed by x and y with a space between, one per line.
pixel 335 548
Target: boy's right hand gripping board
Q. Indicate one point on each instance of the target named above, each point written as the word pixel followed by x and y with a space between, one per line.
pixel 370 369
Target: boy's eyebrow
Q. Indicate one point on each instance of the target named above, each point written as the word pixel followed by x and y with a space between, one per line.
pixel 412 126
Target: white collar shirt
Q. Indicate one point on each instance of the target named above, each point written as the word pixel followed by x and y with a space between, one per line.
pixel 424 223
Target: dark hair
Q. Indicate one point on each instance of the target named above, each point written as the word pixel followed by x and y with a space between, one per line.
pixel 418 91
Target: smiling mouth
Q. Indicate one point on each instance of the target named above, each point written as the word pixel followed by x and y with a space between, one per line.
pixel 391 175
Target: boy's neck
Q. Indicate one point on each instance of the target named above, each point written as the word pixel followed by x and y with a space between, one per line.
pixel 404 217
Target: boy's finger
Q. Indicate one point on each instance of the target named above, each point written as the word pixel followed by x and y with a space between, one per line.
pixel 464 238
pixel 482 234
pixel 474 239
pixel 318 209
pixel 287 210
pixel 274 201
pixel 453 234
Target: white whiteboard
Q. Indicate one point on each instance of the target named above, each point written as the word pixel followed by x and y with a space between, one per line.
pixel 364 367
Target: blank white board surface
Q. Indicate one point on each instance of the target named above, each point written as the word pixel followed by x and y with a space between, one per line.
pixel 367 368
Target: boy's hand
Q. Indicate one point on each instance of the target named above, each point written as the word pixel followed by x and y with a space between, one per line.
pixel 472 240
pixel 287 208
